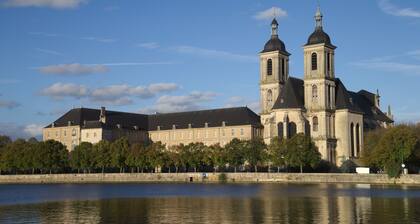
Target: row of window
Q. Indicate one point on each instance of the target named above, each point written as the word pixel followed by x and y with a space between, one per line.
pixel 314 61
pixel 282 67
pixel 57 133
pixel 189 134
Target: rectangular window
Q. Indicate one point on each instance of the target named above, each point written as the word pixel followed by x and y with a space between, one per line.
pixel 328 62
pixel 87 135
pixel 242 131
pixel 233 132
pixel 94 134
pixel 65 133
pixel 223 132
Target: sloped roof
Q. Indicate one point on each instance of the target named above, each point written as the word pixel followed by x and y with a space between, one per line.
pixel 292 95
pixel 344 99
pixel 89 118
pixel 215 117
pixel 366 101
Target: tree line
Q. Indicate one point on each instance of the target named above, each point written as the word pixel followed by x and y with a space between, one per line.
pixel 392 148
pixel 31 156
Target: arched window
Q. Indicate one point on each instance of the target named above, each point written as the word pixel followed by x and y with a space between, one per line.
pixel 269 67
pixel 352 139
pixel 292 129
pixel 280 129
pixel 269 96
pixel 283 69
pixel 314 61
pixel 315 123
pixel 314 93
pixel 357 140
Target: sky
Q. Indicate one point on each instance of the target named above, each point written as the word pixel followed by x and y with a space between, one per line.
pixel 165 56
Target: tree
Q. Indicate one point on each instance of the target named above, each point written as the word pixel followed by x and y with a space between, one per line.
pixel 82 157
pixel 194 154
pixel 254 152
pixel 276 152
pixel 175 156
pixel 154 155
pixel 4 140
pixel 218 156
pixel 54 155
pixel 102 154
pixel 394 148
pixel 119 152
pixel 137 157
pixel 235 155
pixel 301 151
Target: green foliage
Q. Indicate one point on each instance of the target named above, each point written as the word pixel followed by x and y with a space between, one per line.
pixel 254 152
pixel 102 154
pixel 348 166
pixel 83 157
pixel 276 152
pixel 301 151
pixel 388 149
pixel 119 153
pixel 235 156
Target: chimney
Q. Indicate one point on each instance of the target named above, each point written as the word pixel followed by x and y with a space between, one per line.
pixel 102 116
pixel 377 97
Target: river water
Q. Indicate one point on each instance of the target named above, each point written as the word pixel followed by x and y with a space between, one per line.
pixel 209 203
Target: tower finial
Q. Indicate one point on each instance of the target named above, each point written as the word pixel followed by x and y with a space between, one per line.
pixel 318 17
pixel 274 28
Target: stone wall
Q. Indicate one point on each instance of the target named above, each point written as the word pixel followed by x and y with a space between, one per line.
pixel 211 178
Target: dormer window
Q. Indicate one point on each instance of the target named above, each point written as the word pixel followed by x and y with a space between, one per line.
pixel 158 128
pixel 314 61
pixel 269 67
pixel 189 125
pixel 206 125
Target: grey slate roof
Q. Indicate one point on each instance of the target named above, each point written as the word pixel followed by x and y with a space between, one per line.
pixel 292 95
pixel 197 119
pixel 320 37
pixel 89 118
pixel 363 101
pixel 78 116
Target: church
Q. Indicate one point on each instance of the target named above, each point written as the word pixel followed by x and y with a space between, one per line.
pixel 319 105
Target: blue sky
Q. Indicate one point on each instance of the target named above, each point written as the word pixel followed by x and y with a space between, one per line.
pixel 147 56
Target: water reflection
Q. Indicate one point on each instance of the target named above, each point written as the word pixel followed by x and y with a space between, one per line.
pixel 267 203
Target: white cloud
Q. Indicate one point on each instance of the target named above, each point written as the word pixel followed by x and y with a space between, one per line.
pixel 120 94
pixel 192 101
pixel 8 104
pixel 389 8
pixel 238 101
pixel 214 53
pixel 33 130
pixel 149 45
pixel 139 63
pixel 108 95
pixel 271 13
pixel 73 69
pixel 56 4
pixel 14 130
pixel 60 91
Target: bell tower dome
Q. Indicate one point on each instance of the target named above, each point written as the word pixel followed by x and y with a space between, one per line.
pixel 274 69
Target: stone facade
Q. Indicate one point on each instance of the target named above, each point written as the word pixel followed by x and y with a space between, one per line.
pixel 319 105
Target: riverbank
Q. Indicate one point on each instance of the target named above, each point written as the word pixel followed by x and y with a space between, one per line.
pixel 209 178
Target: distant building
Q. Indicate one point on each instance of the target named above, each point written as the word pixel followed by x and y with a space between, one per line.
pixel 207 126
pixel 318 105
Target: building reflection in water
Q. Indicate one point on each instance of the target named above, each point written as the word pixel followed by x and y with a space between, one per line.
pixel 273 203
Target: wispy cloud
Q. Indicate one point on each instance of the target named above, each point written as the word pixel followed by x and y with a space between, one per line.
pixel 55 4
pixel 392 63
pixel 214 53
pixel 99 39
pixel 108 95
pixel 73 69
pixel 5 81
pixel 389 8
pixel 192 101
pixel 8 104
pixel 47 51
pixel 139 63
pixel 270 13
pixel 149 45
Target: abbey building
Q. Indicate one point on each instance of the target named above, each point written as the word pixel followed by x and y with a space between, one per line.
pixel 319 105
